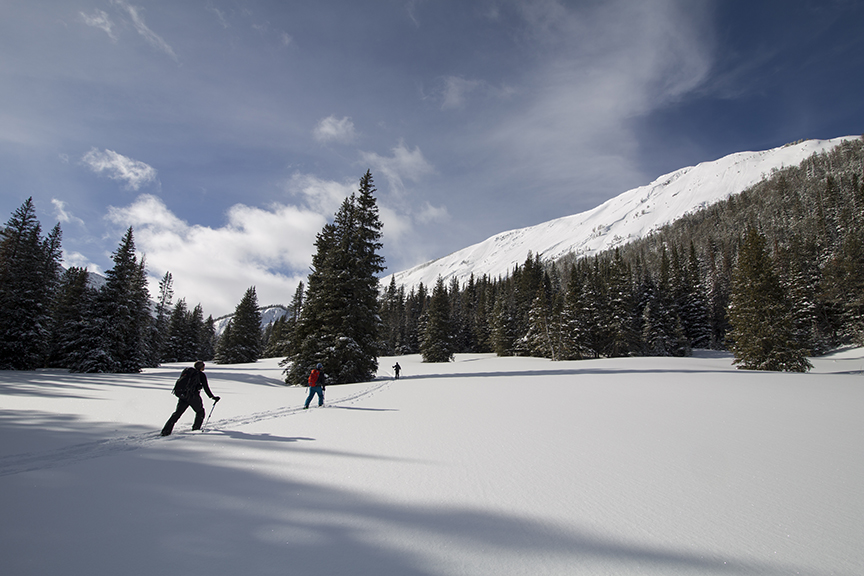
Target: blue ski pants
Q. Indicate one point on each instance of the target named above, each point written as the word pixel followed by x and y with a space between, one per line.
pixel 313 390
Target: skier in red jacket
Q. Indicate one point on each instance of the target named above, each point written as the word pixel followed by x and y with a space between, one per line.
pixel 317 380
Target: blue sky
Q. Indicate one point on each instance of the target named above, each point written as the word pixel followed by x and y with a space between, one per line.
pixel 227 132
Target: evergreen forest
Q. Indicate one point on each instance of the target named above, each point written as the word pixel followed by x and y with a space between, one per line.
pixel 774 274
pixel 798 235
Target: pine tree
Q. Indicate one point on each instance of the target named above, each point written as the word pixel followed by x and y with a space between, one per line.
pixel 242 343
pixel 197 332
pixel 504 332
pixel 415 310
pixel 392 312
pixel 339 324
pixel 694 304
pixel 177 341
pixel 624 338
pixel 161 323
pixel 29 272
pixel 115 337
pixel 576 343
pixel 73 303
pixel 276 336
pixel 843 288
pixel 540 337
pixel 762 333
pixel 437 345
pixel 207 349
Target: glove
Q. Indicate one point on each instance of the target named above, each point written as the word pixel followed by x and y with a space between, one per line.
pixel 216 399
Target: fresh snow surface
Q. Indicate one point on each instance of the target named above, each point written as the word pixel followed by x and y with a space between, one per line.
pixel 627 217
pixel 482 466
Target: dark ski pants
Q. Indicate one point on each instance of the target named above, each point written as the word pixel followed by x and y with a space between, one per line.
pixel 315 390
pixel 196 404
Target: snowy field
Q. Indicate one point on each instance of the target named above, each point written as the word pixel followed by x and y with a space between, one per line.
pixel 484 466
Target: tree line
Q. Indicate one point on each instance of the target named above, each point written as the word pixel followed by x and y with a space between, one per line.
pixel 56 318
pixel 774 274
pixel 50 317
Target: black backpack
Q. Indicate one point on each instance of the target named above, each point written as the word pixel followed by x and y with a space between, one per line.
pixel 187 384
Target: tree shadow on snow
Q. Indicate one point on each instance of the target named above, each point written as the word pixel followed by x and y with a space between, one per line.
pixel 358 408
pixel 149 512
pixel 563 372
pixel 237 435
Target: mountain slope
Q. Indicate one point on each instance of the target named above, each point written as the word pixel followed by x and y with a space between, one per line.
pixel 629 216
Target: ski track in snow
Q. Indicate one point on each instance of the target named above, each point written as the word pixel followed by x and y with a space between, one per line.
pixel 29 462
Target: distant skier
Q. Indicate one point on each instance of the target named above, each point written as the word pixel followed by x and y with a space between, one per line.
pixel 317 380
pixel 188 394
pixel 396 370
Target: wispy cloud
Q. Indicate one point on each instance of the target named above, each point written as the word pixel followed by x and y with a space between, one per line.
pixel 72 258
pixel 332 129
pixel 605 64
pixel 403 164
pixel 320 195
pixel 118 167
pixel 456 91
pixel 141 27
pixel 64 215
pixel 267 248
pixel 220 15
pixel 100 19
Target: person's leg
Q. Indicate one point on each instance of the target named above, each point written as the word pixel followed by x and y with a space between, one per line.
pixel 320 396
pixel 309 397
pixel 169 425
pixel 197 405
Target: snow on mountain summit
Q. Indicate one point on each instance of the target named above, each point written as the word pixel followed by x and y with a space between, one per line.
pixel 629 216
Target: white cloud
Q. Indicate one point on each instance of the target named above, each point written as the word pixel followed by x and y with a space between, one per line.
pixel 118 167
pixel 77 259
pixel 608 64
pixel 141 27
pixel 332 129
pixel 62 214
pixel 220 15
pixel 430 214
pixel 270 249
pixel 321 196
pixel 404 164
pixel 101 20
pixel 456 90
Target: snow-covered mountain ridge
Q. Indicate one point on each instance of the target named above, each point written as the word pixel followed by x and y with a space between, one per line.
pixel 269 314
pixel 624 218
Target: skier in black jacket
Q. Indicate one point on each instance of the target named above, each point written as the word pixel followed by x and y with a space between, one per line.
pixel 193 400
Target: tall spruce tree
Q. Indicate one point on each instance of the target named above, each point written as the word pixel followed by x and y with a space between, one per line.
pixel 762 335
pixel 126 305
pixel 29 273
pixel 843 288
pixel 115 336
pixel 541 336
pixel 339 323
pixel 73 303
pixel 242 342
pixel 438 341
pixel 207 350
pixel 176 348
pixel 162 321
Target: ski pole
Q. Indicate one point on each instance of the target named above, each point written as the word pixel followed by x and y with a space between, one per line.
pixel 211 413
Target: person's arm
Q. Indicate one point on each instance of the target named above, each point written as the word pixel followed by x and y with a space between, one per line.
pixel 206 386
